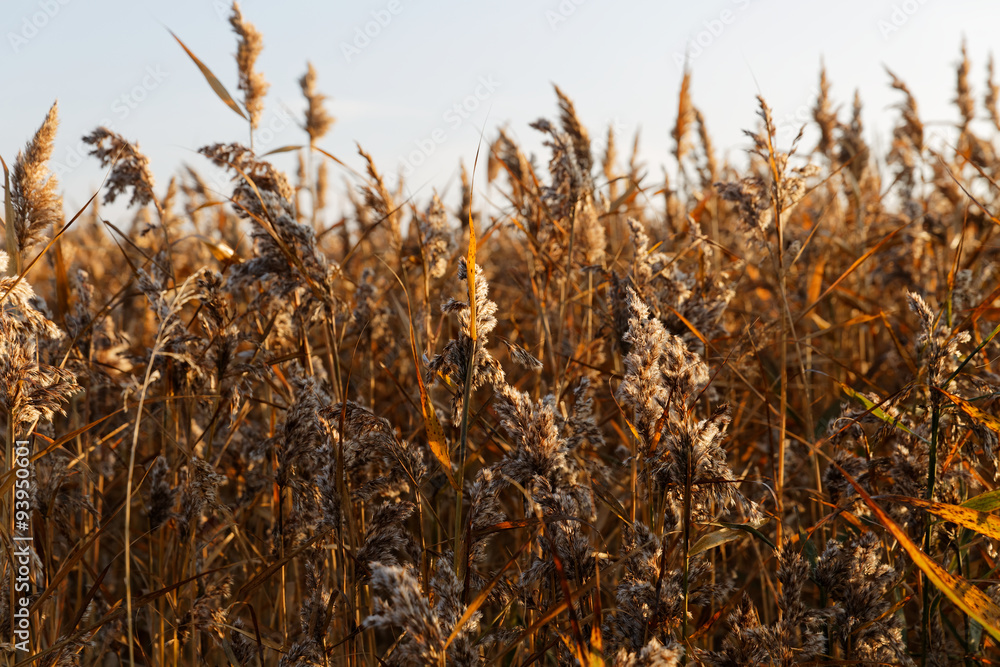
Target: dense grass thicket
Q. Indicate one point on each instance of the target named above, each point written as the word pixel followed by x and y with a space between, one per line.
pixel 734 417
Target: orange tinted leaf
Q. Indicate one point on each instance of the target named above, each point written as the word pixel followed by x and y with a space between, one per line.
pixel 436 439
pixel 485 593
pixel 981 522
pixel 692 328
pixel 974 413
pixel 596 659
pixel 858 262
pixel 512 524
pixel 966 597
pixel 816 280
pixel 470 268
pixel 699 209
pixel 220 251
pixel 435 435
pixel 561 606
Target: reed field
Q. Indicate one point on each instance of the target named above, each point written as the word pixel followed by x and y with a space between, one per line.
pixel 734 415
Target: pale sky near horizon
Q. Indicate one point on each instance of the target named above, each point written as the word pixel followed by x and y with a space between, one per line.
pixel 395 89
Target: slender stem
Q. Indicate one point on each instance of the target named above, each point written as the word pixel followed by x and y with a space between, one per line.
pixel 128 505
pixel 333 352
pixel 932 453
pixel 687 535
pixel 929 495
pixel 562 297
pixel 463 440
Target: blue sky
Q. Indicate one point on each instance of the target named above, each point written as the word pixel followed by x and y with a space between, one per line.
pixel 395 89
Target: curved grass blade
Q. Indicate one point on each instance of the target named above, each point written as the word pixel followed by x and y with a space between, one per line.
pixel 728 533
pixel 984 502
pixel 981 522
pixel 879 412
pixel 214 82
pixel 432 426
pixel 283 149
pixel 470 267
pixel 607 496
pixel 714 539
pixel 463 437
pixel 485 592
pixel 220 251
pixel 966 597
pixel 21 274
pixel 559 607
pixel 972 412
pixel 858 262
pixel 750 529
pixel 435 434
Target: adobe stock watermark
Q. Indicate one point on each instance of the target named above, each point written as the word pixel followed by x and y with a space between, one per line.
pixel 272 125
pixel 33 24
pixel 788 125
pixel 121 108
pixel 364 34
pixel 453 119
pixel 621 129
pixel 22 547
pixel 562 13
pixel 899 17
pixel 128 102
pixel 712 29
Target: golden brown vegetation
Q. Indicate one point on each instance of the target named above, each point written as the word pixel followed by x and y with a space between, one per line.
pixel 745 418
